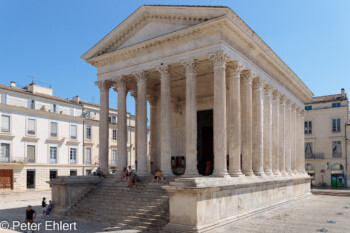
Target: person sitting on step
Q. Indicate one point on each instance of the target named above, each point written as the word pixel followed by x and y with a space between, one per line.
pixel 158 176
pixel 124 174
pixel 133 179
pixel 99 173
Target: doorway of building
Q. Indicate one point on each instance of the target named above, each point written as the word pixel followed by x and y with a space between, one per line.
pixel 6 179
pixel 205 143
pixel 30 179
pixel 53 174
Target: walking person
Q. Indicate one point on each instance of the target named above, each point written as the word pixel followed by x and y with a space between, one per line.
pixel 43 205
pixel 30 216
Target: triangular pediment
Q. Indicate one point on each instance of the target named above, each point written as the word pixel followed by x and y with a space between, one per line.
pixel 149 22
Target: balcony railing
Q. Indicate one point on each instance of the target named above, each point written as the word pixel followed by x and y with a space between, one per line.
pixel 314 156
pixel 337 155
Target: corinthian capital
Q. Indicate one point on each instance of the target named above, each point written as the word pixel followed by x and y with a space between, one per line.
pixel 267 89
pixel 234 68
pixel 152 100
pixel 190 65
pixel 257 82
pixel 164 70
pixel 103 85
pixel 246 76
pixel 140 77
pixel 219 58
pixel 120 81
pixel 276 94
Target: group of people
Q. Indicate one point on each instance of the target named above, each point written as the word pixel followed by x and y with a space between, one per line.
pixel 130 175
pixel 46 208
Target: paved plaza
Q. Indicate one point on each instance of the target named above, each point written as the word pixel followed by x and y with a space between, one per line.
pixel 317 213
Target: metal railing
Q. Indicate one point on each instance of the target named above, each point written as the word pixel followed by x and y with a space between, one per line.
pixel 314 156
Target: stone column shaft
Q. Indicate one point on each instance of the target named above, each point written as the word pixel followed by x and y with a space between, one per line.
pixel 153 134
pixel 247 136
pixel 267 130
pixel 220 140
pixel 134 94
pixel 293 137
pixel 191 118
pixel 288 138
pixel 104 125
pixel 234 70
pixel 121 125
pixel 302 142
pixel 276 133
pixel 282 163
pixel 258 126
pixel 142 166
pixel 165 121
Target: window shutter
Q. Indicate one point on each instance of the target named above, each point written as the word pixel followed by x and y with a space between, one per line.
pixel 73 131
pixel 3 98
pixel 29 102
pixel 57 108
pixel 31 154
pixel 72 111
pixel 31 125
pixel 5 123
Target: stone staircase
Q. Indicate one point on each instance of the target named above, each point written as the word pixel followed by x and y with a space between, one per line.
pixel 144 207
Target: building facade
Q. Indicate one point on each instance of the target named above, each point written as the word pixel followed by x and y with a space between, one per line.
pixel 326 139
pixel 219 97
pixel 43 136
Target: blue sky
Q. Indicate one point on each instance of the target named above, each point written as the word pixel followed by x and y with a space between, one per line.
pixel 46 39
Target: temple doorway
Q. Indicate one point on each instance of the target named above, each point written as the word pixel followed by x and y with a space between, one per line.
pixel 205 143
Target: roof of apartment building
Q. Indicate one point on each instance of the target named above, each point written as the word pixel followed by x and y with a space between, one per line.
pixel 94 104
pixel 328 98
pixel 26 91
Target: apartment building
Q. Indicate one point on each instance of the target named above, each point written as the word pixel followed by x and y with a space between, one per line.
pixel 326 139
pixel 43 136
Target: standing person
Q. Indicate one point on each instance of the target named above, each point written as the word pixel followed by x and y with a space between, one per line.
pixel 43 205
pixel 29 217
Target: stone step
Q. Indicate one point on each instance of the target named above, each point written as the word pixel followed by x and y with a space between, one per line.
pixel 112 210
pixel 122 205
pixel 116 198
pixel 130 190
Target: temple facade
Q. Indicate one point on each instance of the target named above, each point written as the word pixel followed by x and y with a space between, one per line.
pixel 219 97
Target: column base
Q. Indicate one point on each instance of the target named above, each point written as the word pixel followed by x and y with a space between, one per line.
pixel 260 173
pixel 268 172
pixel 248 173
pixel 236 173
pixel 190 174
pixel 220 174
pixel 277 173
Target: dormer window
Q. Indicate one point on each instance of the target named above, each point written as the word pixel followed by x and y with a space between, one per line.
pixel 336 105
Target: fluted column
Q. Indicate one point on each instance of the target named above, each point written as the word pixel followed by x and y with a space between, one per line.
pixel 275 132
pixel 268 130
pixel 220 141
pixel 153 135
pixel 247 136
pixel 134 94
pixel 191 118
pixel 122 151
pixel 142 166
pixel 302 142
pixel 234 70
pixel 288 138
pixel 297 142
pixel 104 125
pixel 165 121
pixel 258 126
pixel 293 138
pixel 282 150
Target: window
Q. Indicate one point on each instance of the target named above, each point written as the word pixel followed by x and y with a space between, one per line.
pixel 73 173
pixel 31 153
pixel 31 126
pixel 114 134
pixel 53 154
pixel 308 148
pixel 88 172
pixel 307 108
pixel 335 105
pixel 88 132
pixel 113 119
pixel 73 155
pixel 72 112
pixel 336 149
pixel 73 132
pixel 53 129
pixel 5 153
pixel 55 108
pixel 88 156
pixel 87 115
pixel 5 123
pixel 31 104
pixel 53 174
pixel 308 127
pixel 4 98
pixel 335 125
pixel 114 157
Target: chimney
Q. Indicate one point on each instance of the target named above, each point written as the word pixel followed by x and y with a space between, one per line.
pixel 343 92
pixel 12 84
pixel 76 99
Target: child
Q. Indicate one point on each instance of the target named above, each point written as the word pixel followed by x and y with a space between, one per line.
pixel 158 176
pixel 49 208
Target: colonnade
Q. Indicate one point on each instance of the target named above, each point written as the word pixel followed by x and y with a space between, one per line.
pixel 265 127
